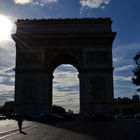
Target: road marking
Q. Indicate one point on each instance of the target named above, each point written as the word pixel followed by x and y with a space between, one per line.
pixel 25 128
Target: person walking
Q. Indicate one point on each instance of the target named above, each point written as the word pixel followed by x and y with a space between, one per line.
pixel 20 122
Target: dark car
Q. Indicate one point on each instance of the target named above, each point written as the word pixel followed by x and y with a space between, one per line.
pixel 51 117
pixel 137 116
pixel 2 117
pixel 102 116
pixel 69 117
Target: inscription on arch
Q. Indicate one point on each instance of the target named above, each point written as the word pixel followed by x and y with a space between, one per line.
pixel 97 57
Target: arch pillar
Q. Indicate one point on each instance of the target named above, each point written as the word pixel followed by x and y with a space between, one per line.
pixel 96 91
pixel 48 92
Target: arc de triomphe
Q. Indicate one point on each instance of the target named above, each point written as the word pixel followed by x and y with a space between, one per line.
pixel 42 45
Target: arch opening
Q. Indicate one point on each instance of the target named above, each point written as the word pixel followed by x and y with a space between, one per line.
pixel 66 88
pixel 63 58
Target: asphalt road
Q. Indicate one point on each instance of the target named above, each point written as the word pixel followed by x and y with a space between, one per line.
pixel 74 130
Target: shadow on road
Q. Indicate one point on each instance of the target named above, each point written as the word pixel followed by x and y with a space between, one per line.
pixel 101 130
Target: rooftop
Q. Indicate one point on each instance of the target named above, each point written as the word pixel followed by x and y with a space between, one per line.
pixel 66 21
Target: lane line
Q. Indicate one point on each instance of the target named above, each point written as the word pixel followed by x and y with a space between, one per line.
pixel 17 131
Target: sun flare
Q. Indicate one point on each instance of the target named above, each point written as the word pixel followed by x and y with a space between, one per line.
pixel 5 28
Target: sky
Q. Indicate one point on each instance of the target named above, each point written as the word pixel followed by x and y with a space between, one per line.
pixel 126 21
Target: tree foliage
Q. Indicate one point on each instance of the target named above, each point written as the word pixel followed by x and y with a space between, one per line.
pixel 58 110
pixel 8 108
pixel 136 71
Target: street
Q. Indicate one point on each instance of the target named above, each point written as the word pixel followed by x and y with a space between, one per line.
pixel 72 130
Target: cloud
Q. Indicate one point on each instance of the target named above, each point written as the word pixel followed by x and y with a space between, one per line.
pixel 9 70
pixel 36 2
pixel 6 89
pixel 6 96
pixel 23 1
pixel 94 3
pixel 65 76
pixel 124 88
pixel 124 63
pixel 7 80
pixel 44 2
pixel 123 68
pixel 66 99
pixel 123 54
pixel 122 78
pixel 7 54
pixel 66 87
pixel 123 60
pixel 7 75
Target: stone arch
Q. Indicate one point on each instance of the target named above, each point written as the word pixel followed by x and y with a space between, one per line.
pixel 84 43
pixel 58 59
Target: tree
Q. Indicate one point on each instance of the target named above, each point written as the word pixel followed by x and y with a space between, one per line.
pixel 58 110
pixel 1 110
pixel 136 71
pixel 8 108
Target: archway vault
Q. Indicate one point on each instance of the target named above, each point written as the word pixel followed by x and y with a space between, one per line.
pixel 63 58
pixel 42 45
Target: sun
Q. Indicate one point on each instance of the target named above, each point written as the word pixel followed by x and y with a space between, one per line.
pixel 5 28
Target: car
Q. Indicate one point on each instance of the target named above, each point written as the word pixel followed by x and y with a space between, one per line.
pixel 69 117
pixel 51 117
pixel 137 116
pixel 2 117
pixel 124 116
pixel 103 116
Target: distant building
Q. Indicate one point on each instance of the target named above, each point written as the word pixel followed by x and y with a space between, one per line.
pixel 135 98
pixel 127 105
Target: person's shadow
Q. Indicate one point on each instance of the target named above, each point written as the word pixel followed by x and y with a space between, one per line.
pixel 22 132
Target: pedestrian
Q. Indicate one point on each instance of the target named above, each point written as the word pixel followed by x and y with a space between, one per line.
pixel 20 122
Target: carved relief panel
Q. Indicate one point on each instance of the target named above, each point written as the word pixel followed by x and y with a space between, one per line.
pixel 97 89
pixel 29 89
pixel 97 57
pixel 31 58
